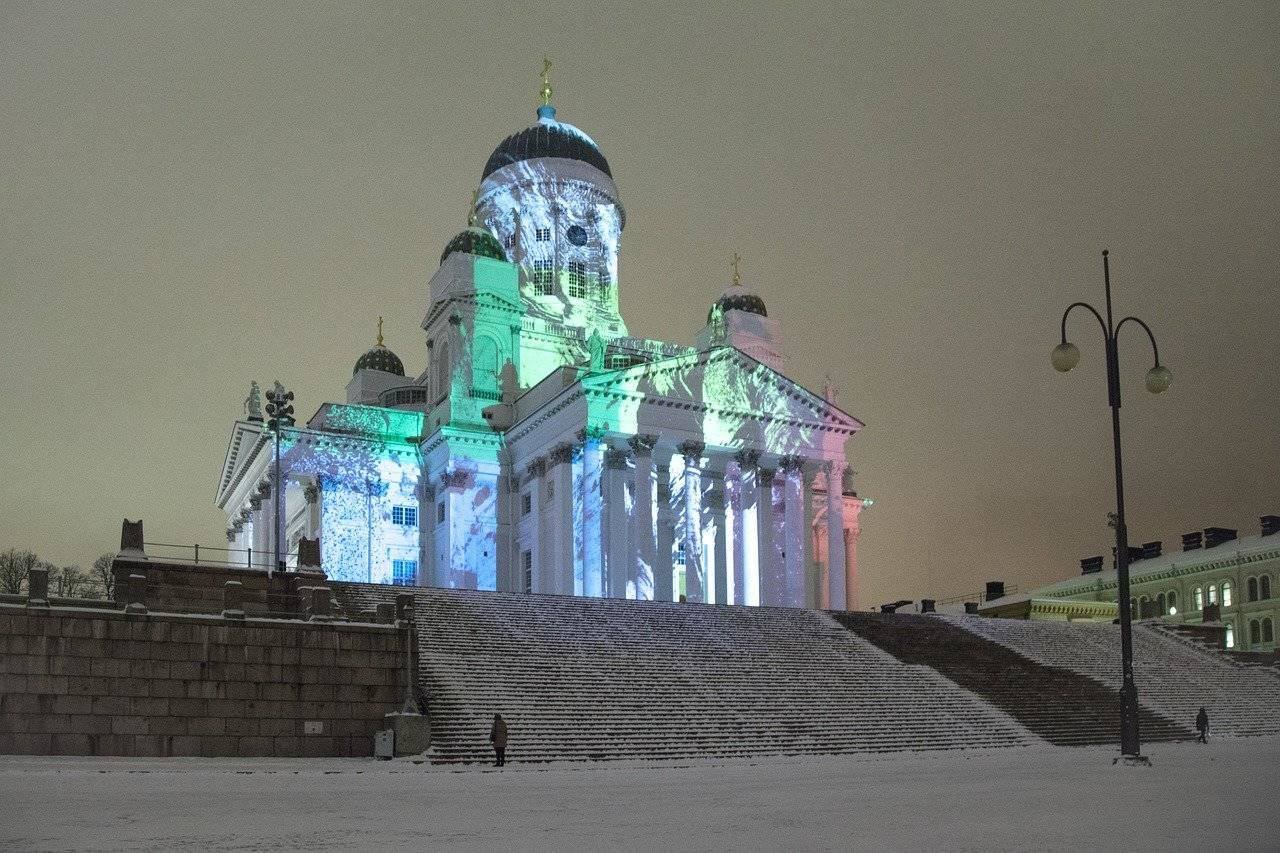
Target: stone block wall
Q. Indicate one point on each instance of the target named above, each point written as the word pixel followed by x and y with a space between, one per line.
pixel 81 681
pixel 187 588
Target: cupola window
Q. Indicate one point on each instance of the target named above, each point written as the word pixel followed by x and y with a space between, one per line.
pixel 543 278
pixel 577 280
pixel 542 235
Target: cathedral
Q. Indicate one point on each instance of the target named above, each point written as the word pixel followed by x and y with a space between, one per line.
pixel 544 448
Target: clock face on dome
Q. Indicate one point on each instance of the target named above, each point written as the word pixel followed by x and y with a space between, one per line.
pixel 577 235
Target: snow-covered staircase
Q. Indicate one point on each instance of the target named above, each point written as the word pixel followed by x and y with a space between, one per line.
pixel 1062 706
pixel 1174 675
pixel 583 678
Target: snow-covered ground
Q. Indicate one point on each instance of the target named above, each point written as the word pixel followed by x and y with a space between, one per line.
pixel 1220 796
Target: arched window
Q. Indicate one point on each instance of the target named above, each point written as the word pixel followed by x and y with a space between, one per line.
pixel 1226 593
pixel 1252 587
pixel 1231 636
pixel 1255 632
pixel 1173 602
pixel 1265 583
pixel 1160 605
pixel 1267 635
pixel 1213 593
pixel 1199 598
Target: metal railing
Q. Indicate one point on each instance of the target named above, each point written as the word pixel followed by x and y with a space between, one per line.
pixel 200 555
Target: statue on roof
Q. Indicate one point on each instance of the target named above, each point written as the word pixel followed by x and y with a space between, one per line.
pixel 595 350
pixel 253 403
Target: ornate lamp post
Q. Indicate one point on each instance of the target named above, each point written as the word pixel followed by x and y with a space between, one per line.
pixel 280 408
pixel 1065 357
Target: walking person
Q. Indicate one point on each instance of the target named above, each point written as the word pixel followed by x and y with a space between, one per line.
pixel 498 737
pixel 1202 725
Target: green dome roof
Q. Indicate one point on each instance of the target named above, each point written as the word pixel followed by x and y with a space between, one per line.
pixel 379 358
pixel 740 299
pixel 475 241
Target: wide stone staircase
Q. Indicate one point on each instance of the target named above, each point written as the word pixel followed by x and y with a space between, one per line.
pixel 1175 675
pixel 1061 705
pixel 580 679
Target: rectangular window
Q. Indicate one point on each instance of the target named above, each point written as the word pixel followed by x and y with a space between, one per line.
pixel 577 280
pixel 440 513
pixel 543 278
pixel 404 572
pixel 509 241
pixel 526 566
pixel 603 285
pixel 542 235
pixel 526 503
pixel 406 516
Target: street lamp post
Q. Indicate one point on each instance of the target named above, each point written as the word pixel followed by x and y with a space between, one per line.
pixel 280 408
pixel 1065 357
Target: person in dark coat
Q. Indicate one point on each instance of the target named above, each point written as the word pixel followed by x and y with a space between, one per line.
pixel 1202 725
pixel 498 737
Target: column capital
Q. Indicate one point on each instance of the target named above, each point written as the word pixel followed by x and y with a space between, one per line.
pixel 455 479
pixel 691 449
pixel 747 459
pixel 255 503
pixel 264 489
pixel 563 453
pixel 536 468
pixel 311 493
pixel 791 463
pixel 642 445
pixel 617 458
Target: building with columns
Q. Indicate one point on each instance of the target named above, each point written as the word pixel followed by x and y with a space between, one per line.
pixel 545 449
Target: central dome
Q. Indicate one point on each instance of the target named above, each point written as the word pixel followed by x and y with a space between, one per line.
pixel 547 138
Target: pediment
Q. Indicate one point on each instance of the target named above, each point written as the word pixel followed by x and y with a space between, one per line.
pixel 723 396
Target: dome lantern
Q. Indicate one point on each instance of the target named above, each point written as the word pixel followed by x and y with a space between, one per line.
pixel 735 297
pixel 379 358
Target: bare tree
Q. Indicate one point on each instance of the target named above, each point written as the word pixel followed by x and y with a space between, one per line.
pixel 103 576
pixel 14 567
pixel 74 581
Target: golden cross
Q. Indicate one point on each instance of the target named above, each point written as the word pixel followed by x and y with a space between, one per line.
pixel 546 81
pixel 737 279
pixel 379 331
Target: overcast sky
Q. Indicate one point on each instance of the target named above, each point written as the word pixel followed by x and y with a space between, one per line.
pixel 197 196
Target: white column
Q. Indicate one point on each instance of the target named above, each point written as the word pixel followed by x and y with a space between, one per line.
pixel 810 591
pixel 561 569
pixel 617 530
pixel 643 490
pixel 794 534
pixel 853 526
pixel 663 588
pixel 590 504
pixel 835 568
pixel 261 530
pixel 718 509
pixel 695 581
pixel 507 509
pixel 746 567
pixel 766 531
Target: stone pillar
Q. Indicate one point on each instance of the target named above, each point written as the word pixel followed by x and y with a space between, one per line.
pixel 663 588
pixel 717 505
pixel 641 576
pixel 590 505
pixel 260 529
pixel 559 568
pixel 793 533
pixel 617 530
pixel 810 591
pixel 695 580
pixel 834 588
pixel 746 566
pixel 311 518
pixel 768 557
pixel 853 526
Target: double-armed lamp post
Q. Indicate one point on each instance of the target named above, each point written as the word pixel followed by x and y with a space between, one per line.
pixel 1065 357
pixel 280 408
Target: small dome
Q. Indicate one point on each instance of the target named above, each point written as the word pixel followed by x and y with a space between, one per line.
pixel 475 241
pixel 379 358
pixel 738 298
pixel 547 138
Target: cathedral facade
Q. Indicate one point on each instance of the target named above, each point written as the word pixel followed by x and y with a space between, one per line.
pixel 545 449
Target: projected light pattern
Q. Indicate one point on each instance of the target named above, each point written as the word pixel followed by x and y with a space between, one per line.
pixel 655 470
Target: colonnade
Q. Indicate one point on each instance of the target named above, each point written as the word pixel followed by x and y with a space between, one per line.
pixel 621 516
